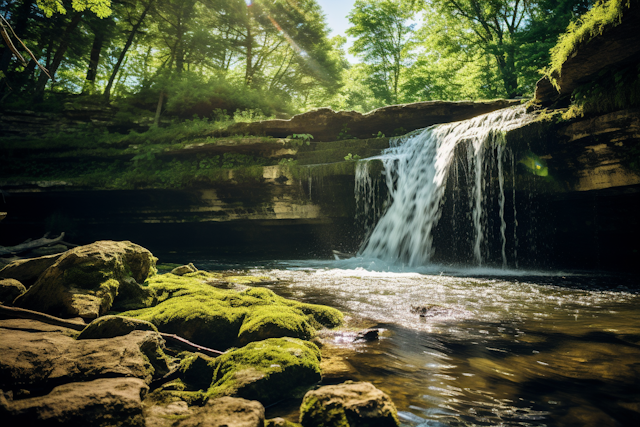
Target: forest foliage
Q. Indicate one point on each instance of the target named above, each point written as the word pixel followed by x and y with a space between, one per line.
pixel 183 58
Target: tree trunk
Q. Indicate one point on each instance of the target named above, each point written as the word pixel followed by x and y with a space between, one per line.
pixel 94 60
pixel 127 45
pixel 156 120
pixel 248 74
pixel 57 59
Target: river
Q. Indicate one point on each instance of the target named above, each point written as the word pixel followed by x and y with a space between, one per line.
pixel 481 346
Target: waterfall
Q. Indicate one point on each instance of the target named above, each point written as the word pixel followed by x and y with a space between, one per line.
pixel 416 168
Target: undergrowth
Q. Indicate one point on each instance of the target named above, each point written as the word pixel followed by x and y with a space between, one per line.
pixel 604 15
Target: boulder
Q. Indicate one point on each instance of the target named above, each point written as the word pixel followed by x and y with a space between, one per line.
pixel 10 289
pixel 267 371
pixel 324 124
pixel 114 326
pixel 221 318
pixel 184 269
pixel 349 404
pixel 226 412
pixel 27 271
pixel 34 355
pixel 85 280
pixel 110 402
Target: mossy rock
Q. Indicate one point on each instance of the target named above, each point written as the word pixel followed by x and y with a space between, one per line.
pixel 114 326
pixel 351 404
pixel 223 318
pixel 267 370
pixel 10 289
pixel 196 371
pixel 86 280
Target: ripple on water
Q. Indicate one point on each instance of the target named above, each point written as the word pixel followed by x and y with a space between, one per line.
pixel 494 347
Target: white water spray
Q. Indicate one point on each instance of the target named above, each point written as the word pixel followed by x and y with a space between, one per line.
pixel 416 170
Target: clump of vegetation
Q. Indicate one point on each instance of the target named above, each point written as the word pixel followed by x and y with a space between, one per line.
pixel 604 15
pixel 613 89
pixel 351 157
pixel 190 307
pixel 300 138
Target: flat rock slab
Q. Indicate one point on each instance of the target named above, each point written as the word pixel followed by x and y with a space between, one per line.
pixel 34 356
pixel 324 124
pixel 102 402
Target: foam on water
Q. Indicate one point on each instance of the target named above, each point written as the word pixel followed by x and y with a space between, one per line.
pixel 416 170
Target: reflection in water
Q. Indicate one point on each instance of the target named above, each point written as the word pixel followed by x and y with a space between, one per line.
pixel 515 349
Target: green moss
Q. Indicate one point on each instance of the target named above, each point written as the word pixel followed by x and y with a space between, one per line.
pixel 318 415
pixel 267 370
pixel 221 318
pixel 114 326
pixel 274 321
pixel 604 15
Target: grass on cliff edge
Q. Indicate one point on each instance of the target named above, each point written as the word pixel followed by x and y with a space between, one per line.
pixel 604 15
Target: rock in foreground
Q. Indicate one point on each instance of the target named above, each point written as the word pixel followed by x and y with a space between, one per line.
pixel 86 280
pixel 113 402
pixel 226 412
pixel 351 404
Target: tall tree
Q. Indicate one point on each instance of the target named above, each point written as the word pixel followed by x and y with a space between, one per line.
pixel 383 32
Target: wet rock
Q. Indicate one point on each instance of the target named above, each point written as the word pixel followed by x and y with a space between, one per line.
pixel 226 412
pixel 349 404
pixel 114 326
pixel 34 355
pixel 27 271
pixel 102 402
pixel 368 335
pixel 85 280
pixel 184 269
pixel 325 124
pixel 10 289
pixel 268 370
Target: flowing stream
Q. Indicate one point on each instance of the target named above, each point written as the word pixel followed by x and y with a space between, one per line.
pixel 485 344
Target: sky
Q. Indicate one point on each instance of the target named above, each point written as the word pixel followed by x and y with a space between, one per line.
pixel 336 12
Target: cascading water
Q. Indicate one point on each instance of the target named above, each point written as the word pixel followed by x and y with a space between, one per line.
pixel 416 168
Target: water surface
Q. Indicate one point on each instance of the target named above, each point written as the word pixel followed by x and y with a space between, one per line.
pixel 493 347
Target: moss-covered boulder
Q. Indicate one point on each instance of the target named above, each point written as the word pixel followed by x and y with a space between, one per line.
pixel 86 280
pixel 267 370
pixel 9 290
pixel 221 318
pixel 351 404
pixel 184 269
pixel 114 326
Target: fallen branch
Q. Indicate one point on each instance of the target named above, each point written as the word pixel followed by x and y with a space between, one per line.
pixel 22 313
pixel 23 247
pixel 175 339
